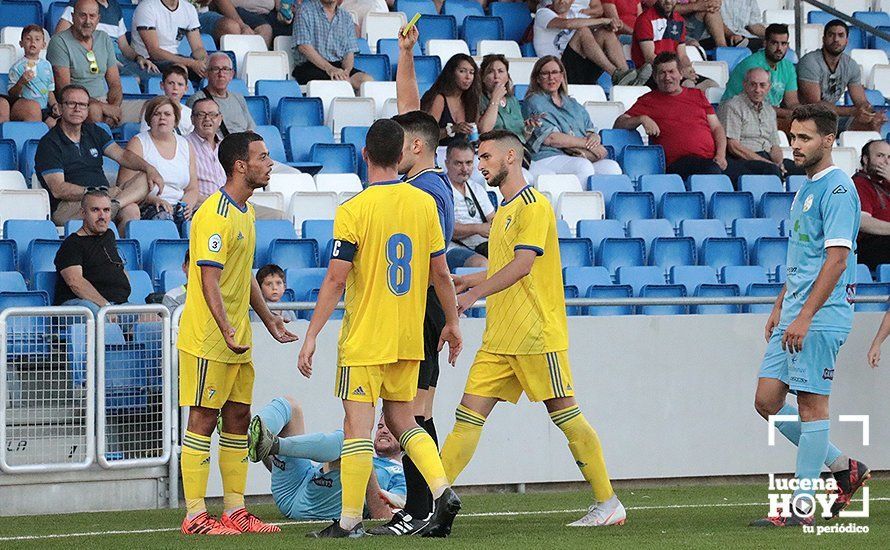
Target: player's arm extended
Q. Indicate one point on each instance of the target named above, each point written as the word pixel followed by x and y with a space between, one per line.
pixel 213 296
pixel 519 267
pixel 407 93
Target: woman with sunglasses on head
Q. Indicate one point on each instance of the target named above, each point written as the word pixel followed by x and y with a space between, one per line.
pixel 564 140
pixel 453 99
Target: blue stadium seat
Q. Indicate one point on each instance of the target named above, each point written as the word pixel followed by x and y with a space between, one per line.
pixel 618 139
pixel 390 48
pixel 322 231
pixel 45 281
pixel 266 232
pixel 275 91
pixel 795 182
pixel 710 184
pixel 769 252
pixel 881 44
pixel 516 17
pixel 649 229
pixel 775 205
pixel 272 136
pixel 299 111
pixel 427 68
pixel 127 10
pixel 659 184
pixel 9 258
pixel 640 160
pixel 677 207
pixel 519 91
pixel 293 253
pixel 640 276
pixel 874 18
pixel 780 273
pixel 130 84
pixel 729 206
pixel 563 231
pixel 663 291
pixel 720 252
pixel 597 230
pixel 631 206
pixel 12 281
pixel 356 136
pixel 336 158
pixel 376 65
pixel 477 28
pixel 716 291
pixel 130 253
pixel 185 48
pixel 129 130
pixel 883 272
pixel 666 252
pixel 609 292
pixel 29 298
pixel 21 13
pixel 258 106
pixel 819 17
pixel 758 185
pixel 863 275
pixel 304 280
pixel 338 313
pixel 771 290
pixel 731 55
pixel 9 156
pixel 140 286
pixel 20 132
pixel 461 9
pixel 185 229
pixel 436 27
pixel 576 252
pixel 743 275
pixel 300 140
pixel 22 232
pixel 752 229
pixel 363 46
pixel 582 277
pixel 53 14
pixel 164 255
pixel 410 7
pixel 608 185
pixel 148 231
pixel 691 276
pixel 172 278
pixel 72 226
pixel 614 253
pixel 872 289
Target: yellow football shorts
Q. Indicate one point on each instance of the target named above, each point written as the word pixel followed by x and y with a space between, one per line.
pixel 366 384
pixel 204 383
pixel 542 376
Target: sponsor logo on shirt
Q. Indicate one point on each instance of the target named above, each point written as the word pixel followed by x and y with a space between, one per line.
pixel 94 152
pixel 808 203
pixel 839 190
pixel 828 374
pixel 509 221
pixel 323 482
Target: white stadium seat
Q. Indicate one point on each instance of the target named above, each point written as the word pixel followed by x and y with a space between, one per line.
pixel 585 205
pixel 846 158
pixel 380 92
pixel 718 71
pixel 604 113
pixel 338 183
pixel 350 111
pixel 288 184
pixel 556 184
pixel 850 6
pixel 779 16
pixel 628 94
pixel 285 44
pixel 856 139
pixel 521 69
pixel 812 37
pixel 587 92
pixel 446 49
pixel 867 59
pixel 783 139
pixel 8 57
pixel 327 90
pixel 382 25
pixel 12 180
pixel 715 94
pixel 881 79
pixel 507 48
pixel 240 44
pixel 771 4
pixel 265 66
pixel 693 53
pixel 31 204
pixel 269 199
pixel 390 108
pixel 318 205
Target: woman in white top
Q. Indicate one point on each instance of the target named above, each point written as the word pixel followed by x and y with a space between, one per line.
pixel 172 156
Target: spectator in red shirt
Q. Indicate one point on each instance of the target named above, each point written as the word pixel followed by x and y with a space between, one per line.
pixel 625 11
pixel 684 123
pixel 873 185
pixel 660 29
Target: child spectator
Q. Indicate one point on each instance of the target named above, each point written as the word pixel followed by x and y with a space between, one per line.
pixel 174 84
pixel 273 283
pixel 31 83
pixel 175 297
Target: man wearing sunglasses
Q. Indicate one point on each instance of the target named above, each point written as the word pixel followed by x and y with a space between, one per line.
pixel 85 56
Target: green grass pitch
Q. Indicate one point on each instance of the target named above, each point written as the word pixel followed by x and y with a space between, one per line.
pixel 682 516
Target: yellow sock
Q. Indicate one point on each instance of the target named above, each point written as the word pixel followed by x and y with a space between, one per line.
pixel 461 442
pixel 356 463
pixel 233 469
pixel 195 467
pixel 586 448
pixel 422 450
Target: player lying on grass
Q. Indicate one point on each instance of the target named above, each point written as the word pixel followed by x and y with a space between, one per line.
pixel 306 466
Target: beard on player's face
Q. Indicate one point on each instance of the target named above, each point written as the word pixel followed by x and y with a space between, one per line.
pixel 497 179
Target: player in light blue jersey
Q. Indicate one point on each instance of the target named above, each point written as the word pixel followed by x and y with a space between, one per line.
pixel 306 466
pixel 814 313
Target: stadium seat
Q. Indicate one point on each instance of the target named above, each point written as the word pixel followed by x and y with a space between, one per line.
pixel 22 232
pixel 872 289
pixel 54 13
pixel 335 158
pixel 743 275
pixel 240 45
pixel 322 231
pixel 846 158
pixel 292 253
pixel 476 28
pixel 382 25
pixel 571 207
pixel 640 160
pixel 12 281
pixel 516 18
pixel 728 206
pixel 268 231
pixel 863 275
pixel 507 48
pixel 264 66
pixel 130 129
pixel 521 70
pixel 710 184
pixel 312 206
pixel 631 206
pixel 614 253
pixel 603 114
pixel 272 136
pixel 883 273
pixel 691 276
pixel 857 139
pixel 628 95
pixel 716 291
pixel 649 229
pixel 436 27
pixel 667 252
pixel 288 184
pixel 867 59
pixel 575 252
pixel 146 232
pixel 172 278
pixel 758 185
pixel 556 184
pixel 9 258
pixel 21 13
pixel 299 111
pixel 769 252
pixel 268 199
pixel 20 132
pixel 128 250
pixel 608 185
pixel 140 286
pixel 258 106
pixel 427 68
pixel 45 281
pixel 639 276
pixel 676 207
pixel 351 111
pixel 597 230
pixel 41 255
pixel 718 71
pixel 461 10
pixel 731 55
pixel 301 139
pixel 619 139
pixel 563 231
pixel 663 291
pixel 582 277
pixel 423 7
pixel 275 91
pixel 659 184
pixel 185 49
pixel 303 280
pixel 609 292
pixel 23 299
pixel 375 65
pixel 446 49
pixel 720 252
pixel 9 157
pixel 327 90
pixel 771 290
pixel 584 93
pixel 12 179
pixel 338 183
pixel 356 135
pixel 752 229
pixel 165 254
pixel 775 205
pixel 390 48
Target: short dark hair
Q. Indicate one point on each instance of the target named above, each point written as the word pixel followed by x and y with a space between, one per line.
pixel 774 29
pixel 824 117
pixel 384 143
pixel 866 149
pixel 70 88
pixel 459 145
pixel 665 57
pixel 503 135
pixel 420 124
pixel 202 100
pixel 93 192
pixel 270 270
pixel 235 147
pixel 32 28
pixel 836 23
pixel 175 68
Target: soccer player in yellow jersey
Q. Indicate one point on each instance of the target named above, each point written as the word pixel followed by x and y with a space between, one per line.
pixel 525 343
pixel 388 247
pixel 215 368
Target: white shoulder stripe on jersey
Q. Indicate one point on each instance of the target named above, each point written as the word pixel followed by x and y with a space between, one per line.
pixel 846 243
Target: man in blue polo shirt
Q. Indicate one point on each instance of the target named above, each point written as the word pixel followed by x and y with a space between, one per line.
pixel 69 162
